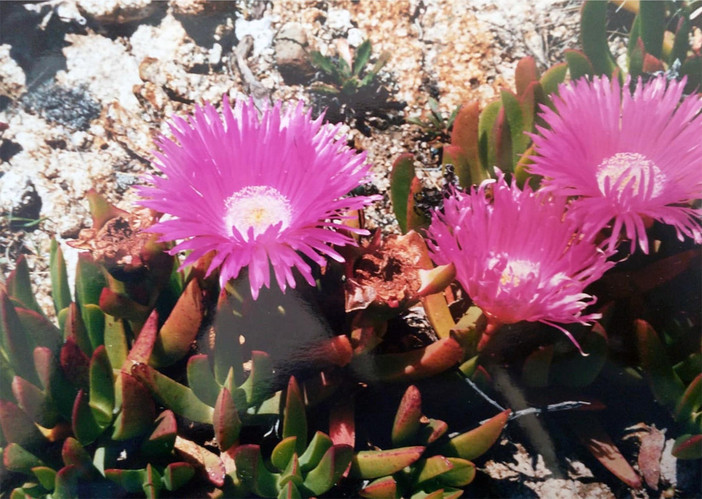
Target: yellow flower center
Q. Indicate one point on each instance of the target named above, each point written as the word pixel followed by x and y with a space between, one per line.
pixel 257 207
pixel 630 170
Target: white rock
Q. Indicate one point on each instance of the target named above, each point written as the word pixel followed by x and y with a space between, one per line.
pixel 160 42
pixel 355 37
pixel 259 29
pixel 104 66
pixel 339 20
pixel 12 79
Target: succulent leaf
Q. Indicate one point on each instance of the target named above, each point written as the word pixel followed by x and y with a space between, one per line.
pixel 137 408
pixel 16 458
pixel 579 65
pixel 376 463
pixel 181 327
pixel 477 441
pixel 60 290
pixel 201 380
pixel 400 180
pixel 15 340
pixel 177 474
pixel 160 442
pixel 102 389
pixel 19 286
pixel 407 418
pixel 594 37
pixel 179 398
pixel 294 416
pixel 283 452
pixel 329 470
pixel 688 447
pixel 318 447
pixel 382 488
pixel 225 420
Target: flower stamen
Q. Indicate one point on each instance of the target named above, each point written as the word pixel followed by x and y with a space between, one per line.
pixel 257 207
pixel 631 171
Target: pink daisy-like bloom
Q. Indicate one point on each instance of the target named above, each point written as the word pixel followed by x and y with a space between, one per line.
pixel 628 158
pixel 517 255
pixel 259 189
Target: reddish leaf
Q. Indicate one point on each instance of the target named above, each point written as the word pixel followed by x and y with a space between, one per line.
pixel 525 74
pixel 595 438
pixel 144 344
pixel 407 418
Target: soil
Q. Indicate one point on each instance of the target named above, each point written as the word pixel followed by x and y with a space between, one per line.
pixel 86 86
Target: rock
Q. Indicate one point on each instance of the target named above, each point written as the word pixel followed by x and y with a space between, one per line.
pixel 117 11
pixel 72 107
pixel 339 20
pixel 291 55
pixel 259 29
pixel 12 79
pixel 19 199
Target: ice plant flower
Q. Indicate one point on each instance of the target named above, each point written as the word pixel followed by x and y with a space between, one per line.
pixel 517 255
pixel 259 189
pixel 628 157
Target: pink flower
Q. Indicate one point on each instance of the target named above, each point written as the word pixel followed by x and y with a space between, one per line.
pixel 629 158
pixel 517 255
pixel 260 189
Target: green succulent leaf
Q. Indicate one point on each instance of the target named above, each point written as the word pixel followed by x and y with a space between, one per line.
pixel 177 474
pixel 19 286
pixel 66 484
pixel 382 488
pixel 120 306
pixel 179 398
pixel 537 366
pixel 294 415
pixel 16 458
pixel 160 442
pixel 227 350
pixel 689 406
pixel 180 329
pixel 376 463
pixel 688 447
pixel 407 418
pixel 201 380
pixel 486 125
pixel 400 180
pixel 681 43
pixel 45 476
pixel 318 446
pixel 18 428
pixel 431 467
pixel 578 64
pixel 15 340
pixel 137 409
pixel 85 426
pixel 60 290
pixel 102 387
pixel 94 319
pixel 116 341
pixel 593 22
pixel 253 473
pixel 257 386
pixel 665 384
pixel 462 473
pixel 289 491
pixel 74 454
pixel 574 369
pixel 477 441
pixel 291 473
pixel 101 210
pixel 129 480
pixel 283 452
pixel 152 484
pixel 552 77
pixel 516 119
pixel 89 280
pixel 225 420
pixel 74 329
pixel 333 464
pixel 34 402
pixel 652 18
pixel 41 330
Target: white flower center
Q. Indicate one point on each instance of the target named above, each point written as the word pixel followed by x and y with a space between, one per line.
pixel 630 170
pixel 257 207
pixel 517 270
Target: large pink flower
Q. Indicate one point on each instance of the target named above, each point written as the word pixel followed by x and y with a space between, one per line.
pixel 629 158
pixel 259 189
pixel 517 255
